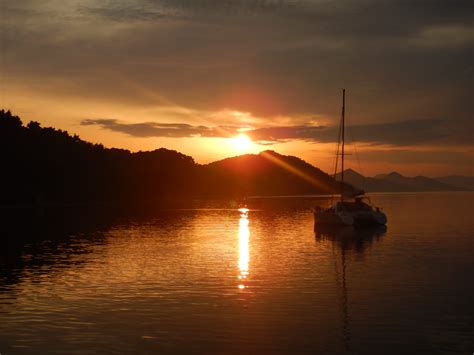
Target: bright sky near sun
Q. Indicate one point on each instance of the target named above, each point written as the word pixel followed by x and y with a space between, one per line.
pixel 221 78
pixel 242 143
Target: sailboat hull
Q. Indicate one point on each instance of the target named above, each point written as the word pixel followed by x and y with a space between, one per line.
pixel 332 218
pixel 369 218
pixel 356 218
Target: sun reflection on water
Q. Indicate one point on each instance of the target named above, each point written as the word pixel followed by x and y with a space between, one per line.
pixel 244 235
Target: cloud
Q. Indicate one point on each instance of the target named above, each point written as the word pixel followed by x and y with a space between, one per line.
pixel 287 58
pixel 326 16
pixel 186 10
pixel 404 133
pixel 410 156
pixel 154 129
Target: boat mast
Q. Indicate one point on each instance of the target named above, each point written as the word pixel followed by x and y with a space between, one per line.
pixel 342 133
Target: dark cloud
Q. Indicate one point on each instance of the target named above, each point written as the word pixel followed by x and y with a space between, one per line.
pixel 187 10
pixel 154 129
pixel 405 133
pixel 398 58
pixel 275 60
pixel 125 13
pixel 348 17
pixel 414 132
pixel 405 156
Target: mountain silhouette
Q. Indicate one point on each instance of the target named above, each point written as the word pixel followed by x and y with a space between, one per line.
pixel 49 167
pixel 461 182
pixel 395 182
pixel 268 173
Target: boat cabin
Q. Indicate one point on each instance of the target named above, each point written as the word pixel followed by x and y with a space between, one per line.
pixel 352 206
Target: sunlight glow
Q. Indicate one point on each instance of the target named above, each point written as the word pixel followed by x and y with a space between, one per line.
pixel 242 143
pixel 244 235
pixel 293 169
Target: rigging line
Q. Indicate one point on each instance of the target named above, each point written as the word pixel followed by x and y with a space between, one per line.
pixel 339 138
pixel 337 151
pixel 337 157
pixel 359 165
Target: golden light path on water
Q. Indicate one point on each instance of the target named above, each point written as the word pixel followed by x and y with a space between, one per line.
pixel 244 235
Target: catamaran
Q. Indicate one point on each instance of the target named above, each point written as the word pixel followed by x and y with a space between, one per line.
pixel 352 210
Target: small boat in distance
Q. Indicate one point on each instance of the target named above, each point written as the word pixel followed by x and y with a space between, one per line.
pixel 351 210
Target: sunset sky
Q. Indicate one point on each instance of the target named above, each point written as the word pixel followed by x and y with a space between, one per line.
pixel 193 75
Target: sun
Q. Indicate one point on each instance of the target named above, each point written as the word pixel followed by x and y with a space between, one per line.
pixel 242 142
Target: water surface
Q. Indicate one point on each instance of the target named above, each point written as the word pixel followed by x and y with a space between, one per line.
pixel 215 279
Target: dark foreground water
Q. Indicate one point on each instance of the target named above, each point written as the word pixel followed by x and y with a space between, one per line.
pixel 213 279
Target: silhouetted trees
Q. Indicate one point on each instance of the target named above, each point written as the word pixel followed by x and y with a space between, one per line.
pixel 47 166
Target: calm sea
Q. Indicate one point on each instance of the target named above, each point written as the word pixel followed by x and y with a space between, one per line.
pixel 215 279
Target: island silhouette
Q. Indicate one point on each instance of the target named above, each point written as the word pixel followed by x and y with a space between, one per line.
pixel 43 166
pixel 395 182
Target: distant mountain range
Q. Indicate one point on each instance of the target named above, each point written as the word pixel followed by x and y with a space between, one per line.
pixel 395 182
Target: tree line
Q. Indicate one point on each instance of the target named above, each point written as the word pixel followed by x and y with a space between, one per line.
pixel 48 166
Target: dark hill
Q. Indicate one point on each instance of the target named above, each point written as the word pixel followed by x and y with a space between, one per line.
pixel 417 183
pixel 46 166
pixel 368 184
pixel 267 174
pixel 395 182
pixel 465 183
